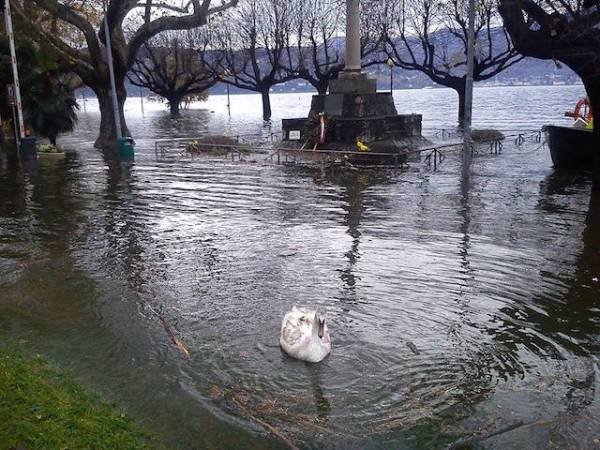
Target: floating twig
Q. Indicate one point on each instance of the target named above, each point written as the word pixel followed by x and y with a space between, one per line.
pixel 179 345
pixel 279 435
pixel 468 442
pixel 413 348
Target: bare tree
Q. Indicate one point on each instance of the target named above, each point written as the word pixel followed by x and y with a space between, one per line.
pixel 80 41
pixel 563 30
pixel 431 37
pixel 316 31
pixel 252 47
pixel 170 65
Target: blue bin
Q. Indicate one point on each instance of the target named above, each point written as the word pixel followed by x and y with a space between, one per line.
pixel 28 149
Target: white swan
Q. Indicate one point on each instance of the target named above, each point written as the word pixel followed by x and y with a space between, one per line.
pixel 304 335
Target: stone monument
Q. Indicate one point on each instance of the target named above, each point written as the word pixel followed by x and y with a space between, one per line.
pixel 354 110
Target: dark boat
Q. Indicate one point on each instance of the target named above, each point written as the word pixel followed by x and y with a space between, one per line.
pixel 570 148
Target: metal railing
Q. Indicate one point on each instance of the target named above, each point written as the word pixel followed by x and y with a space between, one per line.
pixel 319 158
pixel 163 147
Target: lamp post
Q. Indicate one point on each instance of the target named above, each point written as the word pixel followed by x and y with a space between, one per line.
pixel 468 141
pixel 391 64
pixel 226 74
pixel 20 126
pixel 111 73
pixel 228 101
pixel 124 146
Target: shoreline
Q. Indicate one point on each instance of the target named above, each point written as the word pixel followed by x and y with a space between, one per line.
pixel 42 407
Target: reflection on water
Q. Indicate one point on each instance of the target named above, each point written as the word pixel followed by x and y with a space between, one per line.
pixel 454 304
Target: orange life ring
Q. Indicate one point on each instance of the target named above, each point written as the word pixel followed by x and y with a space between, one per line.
pixel 322 128
pixel 585 104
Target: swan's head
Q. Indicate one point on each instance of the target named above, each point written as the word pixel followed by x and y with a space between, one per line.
pixel 320 322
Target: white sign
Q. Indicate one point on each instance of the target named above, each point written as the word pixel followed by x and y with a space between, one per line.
pixel 294 135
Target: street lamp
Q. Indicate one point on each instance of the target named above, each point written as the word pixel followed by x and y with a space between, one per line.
pixel 124 145
pixel 390 62
pixel 19 122
pixel 111 74
pixel 227 73
pixel 468 117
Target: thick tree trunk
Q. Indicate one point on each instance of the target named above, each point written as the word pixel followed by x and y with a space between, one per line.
pixel 322 87
pixel 592 87
pixel 174 103
pixel 107 137
pixel 320 84
pixel 266 104
pixel 458 84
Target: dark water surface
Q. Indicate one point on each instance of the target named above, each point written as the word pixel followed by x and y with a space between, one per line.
pixel 454 305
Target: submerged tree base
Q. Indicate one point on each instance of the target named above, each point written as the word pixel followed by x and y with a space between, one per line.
pixel 42 408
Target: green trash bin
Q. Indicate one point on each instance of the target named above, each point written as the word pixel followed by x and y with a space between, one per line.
pixel 125 147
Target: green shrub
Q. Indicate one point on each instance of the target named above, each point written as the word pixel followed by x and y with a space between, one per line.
pixel 47 148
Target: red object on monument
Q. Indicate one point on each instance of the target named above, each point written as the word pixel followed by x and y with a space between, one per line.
pixel 322 128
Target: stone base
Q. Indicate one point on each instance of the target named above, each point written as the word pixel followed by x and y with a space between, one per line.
pixel 353 105
pixel 373 129
pixel 349 130
pixel 352 83
pixel 355 111
pixel 386 152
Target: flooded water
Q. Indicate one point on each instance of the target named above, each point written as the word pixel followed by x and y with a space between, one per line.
pixel 454 305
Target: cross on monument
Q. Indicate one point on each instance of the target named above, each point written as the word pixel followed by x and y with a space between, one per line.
pixel 353 59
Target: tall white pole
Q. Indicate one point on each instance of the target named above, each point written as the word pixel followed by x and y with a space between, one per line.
pixel 15 71
pixel 228 100
pixel 353 60
pixel 468 141
pixel 111 72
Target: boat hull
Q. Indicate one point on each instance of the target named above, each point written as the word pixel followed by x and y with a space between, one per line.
pixel 570 148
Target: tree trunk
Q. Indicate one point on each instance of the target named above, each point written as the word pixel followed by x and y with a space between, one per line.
pixel 174 103
pixel 266 104
pixel 592 87
pixel 458 85
pixel 52 140
pixel 322 87
pixel 107 137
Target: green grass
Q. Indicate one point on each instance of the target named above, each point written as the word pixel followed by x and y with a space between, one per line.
pixel 42 408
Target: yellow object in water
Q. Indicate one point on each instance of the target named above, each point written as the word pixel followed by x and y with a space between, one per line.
pixel 361 147
pixel 590 124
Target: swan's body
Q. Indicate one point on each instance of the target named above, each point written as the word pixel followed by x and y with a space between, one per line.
pixel 304 335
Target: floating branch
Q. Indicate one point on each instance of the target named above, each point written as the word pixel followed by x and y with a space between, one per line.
pixel 279 435
pixel 178 343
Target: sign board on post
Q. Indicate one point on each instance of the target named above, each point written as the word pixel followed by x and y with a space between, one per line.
pixel 294 135
pixel 10 95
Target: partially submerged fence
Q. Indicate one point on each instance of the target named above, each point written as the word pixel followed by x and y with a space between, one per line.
pixel 278 153
pixel 164 147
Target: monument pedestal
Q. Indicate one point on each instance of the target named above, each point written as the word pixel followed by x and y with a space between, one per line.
pixel 355 111
pixel 358 120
